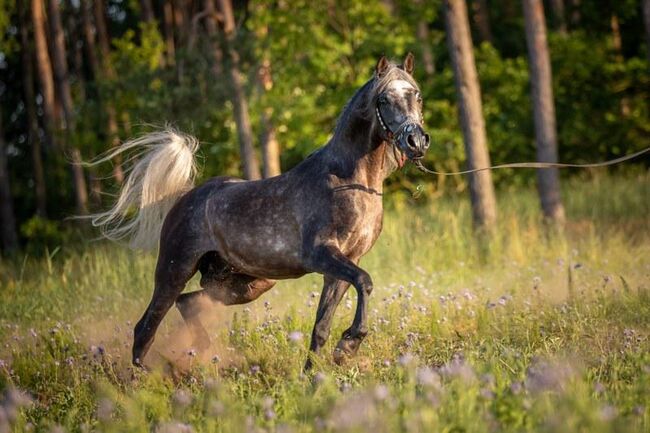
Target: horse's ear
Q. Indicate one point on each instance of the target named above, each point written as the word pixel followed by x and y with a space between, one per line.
pixel 382 66
pixel 409 63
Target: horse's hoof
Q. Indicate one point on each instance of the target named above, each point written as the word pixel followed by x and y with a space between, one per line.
pixel 346 348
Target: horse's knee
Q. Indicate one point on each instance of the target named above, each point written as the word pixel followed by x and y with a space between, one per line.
pixel 363 283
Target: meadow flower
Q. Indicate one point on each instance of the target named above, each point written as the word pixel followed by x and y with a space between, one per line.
pixel 545 375
pixel 427 378
pixel 255 369
pixel 181 399
pixel 191 353
pixel 216 408
pixel 608 413
pixel 406 360
pixel 381 392
pixel 267 406
pixel 487 393
pixel 458 368
pixel 215 359
pixel 295 336
pixel 516 388
pixel 319 378
pixel 174 427
pixel 105 409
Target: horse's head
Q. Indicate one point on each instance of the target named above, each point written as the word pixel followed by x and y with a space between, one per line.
pixel 397 104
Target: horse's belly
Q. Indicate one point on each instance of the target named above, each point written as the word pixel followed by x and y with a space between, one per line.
pixel 263 253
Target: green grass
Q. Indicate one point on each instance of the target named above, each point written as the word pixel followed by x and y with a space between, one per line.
pixel 529 332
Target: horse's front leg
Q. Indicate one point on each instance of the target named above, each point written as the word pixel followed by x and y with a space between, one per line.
pixel 330 261
pixel 333 291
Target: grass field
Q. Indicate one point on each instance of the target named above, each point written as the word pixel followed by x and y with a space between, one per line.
pixel 531 332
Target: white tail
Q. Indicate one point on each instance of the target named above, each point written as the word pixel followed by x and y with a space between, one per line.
pixel 161 171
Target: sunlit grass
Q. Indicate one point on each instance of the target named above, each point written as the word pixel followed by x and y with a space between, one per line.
pixel 531 331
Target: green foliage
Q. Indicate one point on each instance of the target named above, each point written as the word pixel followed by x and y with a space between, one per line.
pixel 41 234
pixel 320 53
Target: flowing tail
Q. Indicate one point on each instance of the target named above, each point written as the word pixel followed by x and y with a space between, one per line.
pixel 162 169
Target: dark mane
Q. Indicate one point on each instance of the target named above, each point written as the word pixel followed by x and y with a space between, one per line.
pixel 365 99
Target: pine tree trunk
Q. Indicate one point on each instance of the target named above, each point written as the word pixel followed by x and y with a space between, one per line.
pixel 102 36
pixel 65 95
pixel 575 15
pixel 9 237
pixel 168 25
pixel 32 117
pixel 543 110
pixel 471 115
pixel 558 13
pixel 425 44
pixel 211 28
pixel 268 141
pixel 617 42
pixel 482 20
pixel 646 23
pixel 146 10
pixel 244 131
pixel 44 67
pixel 112 131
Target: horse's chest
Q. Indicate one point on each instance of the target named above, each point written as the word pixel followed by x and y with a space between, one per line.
pixel 358 224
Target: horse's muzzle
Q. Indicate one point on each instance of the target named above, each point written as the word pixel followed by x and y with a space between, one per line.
pixel 414 141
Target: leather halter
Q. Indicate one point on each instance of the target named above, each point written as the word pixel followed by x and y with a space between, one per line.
pixel 395 138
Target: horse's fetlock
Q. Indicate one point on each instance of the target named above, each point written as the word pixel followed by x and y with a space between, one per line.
pixel 321 336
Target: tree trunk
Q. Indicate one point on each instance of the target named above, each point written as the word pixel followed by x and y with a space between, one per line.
pixel 425 44
pixel 617 42
pixel 481 14
pixel 543 109
pixel 112 131
pixel 558 13
pixel 73 28
pixel 168 25
pixel 8 234
pixel 244 130
pixel 102 36
pixel 32 117
pixel 89 39
pixel 147 11
pixel 646 23
pixel 471 114
pixel 268 141
pixel 575 15
pixel 44 67
pixel 65 95
pixel 211 28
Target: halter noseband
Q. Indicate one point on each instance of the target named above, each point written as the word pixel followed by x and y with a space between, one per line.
pixel 395 138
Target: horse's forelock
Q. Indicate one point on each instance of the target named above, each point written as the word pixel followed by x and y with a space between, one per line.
pixel 379 84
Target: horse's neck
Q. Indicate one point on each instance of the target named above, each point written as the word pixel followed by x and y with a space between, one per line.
pixel 361 159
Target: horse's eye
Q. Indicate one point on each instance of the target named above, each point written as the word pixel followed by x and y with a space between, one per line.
pixel 382 100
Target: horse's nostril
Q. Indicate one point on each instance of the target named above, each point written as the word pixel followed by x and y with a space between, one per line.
pixel 410 140
pixel 427 139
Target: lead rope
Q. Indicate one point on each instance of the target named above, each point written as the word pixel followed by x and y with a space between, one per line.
pixel 624 158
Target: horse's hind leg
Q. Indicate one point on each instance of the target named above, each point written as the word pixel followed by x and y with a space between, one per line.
pixel 229 289
pixel 170 281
